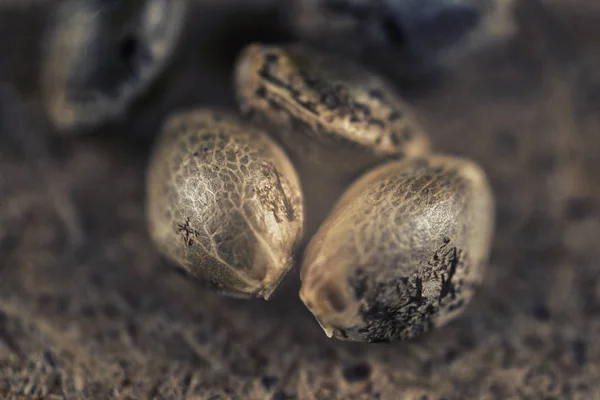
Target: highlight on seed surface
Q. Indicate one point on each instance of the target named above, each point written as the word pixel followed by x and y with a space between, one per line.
pixel 224 203
pixel 402 252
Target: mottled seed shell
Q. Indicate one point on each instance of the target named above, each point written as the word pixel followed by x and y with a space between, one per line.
pixel 99 56
pixel 402 251
pixel 324 109
pixel 224 203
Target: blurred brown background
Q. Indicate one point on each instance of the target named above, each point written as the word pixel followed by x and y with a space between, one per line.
pixel 89 310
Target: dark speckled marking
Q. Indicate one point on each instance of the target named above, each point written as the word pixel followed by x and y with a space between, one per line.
pixel 377 95
pixel 261 92
pixel 395 138
pixel 271 173
pixel 387 320
pixel 378 122
pixel 363 108
pixel 289 210
pixel 265 73
pixel 272 58
pixel 448 286
pixel 187 232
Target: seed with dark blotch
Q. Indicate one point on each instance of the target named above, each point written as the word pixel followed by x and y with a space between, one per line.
pixel 409 266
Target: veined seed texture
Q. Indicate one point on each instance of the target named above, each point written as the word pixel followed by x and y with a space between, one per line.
pixel 402 251
pixel 224 203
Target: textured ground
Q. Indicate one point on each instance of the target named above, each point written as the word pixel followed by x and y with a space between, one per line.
pixel 89 310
